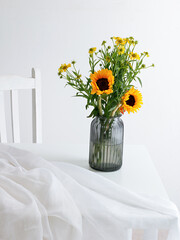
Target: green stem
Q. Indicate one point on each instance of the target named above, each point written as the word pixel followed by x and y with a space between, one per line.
pixel 114 111
pixel 93 62
pixel 99 105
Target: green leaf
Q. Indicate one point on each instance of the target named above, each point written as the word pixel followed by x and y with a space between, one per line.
pixel 75 73
pixel 94 112
pixel 139 81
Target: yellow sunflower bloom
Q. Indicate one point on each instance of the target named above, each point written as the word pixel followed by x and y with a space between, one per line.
pixel 92 50
pixel 64 67
pixel 102 82
pixel 121 49
pixel 132 100
pixel 134 56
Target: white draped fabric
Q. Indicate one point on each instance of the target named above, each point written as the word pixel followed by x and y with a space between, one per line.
pixel 40 200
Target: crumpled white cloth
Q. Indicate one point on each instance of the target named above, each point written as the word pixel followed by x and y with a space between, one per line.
pixel 40 200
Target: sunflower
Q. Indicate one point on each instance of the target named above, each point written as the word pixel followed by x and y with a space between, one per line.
pixel 92 50
pixel 132 100
pixel 102 82
pixel 64 67
pixel 134 56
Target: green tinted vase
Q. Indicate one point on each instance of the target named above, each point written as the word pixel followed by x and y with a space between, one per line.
pixel 106 143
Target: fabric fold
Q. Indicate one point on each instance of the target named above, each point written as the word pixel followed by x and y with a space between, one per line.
pixel 43 200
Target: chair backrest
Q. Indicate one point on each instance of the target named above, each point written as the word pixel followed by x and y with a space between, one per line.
pixel 13 84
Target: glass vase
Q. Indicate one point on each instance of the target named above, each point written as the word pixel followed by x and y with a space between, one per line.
pixel 106 143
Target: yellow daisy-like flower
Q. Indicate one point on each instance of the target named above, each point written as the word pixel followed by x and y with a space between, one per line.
pixel 92 50
pixel 108 59
pixel 102 82
pixel 134 56
pixel 120 41
pixel 126 40
pixel 64 67
pixel 121 49
pixel 132 100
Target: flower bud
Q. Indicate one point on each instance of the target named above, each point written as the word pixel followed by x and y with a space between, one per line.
pixel 143 66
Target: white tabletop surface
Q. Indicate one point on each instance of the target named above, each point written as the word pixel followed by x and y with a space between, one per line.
pixel 137 173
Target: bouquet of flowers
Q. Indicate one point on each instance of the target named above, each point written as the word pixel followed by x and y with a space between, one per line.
pixel 109 89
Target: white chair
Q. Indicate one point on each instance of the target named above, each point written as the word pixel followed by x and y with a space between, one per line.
pixel 14 84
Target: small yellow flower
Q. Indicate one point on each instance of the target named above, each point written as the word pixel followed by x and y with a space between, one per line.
pixel 120 41
pixel 134 56
pixel 121 49
pixel 92 50
pixel 126 40
pixel 60 70
pixel 108 59
pixel 64 67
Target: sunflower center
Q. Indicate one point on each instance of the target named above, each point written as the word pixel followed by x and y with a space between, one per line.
pixel 131 101
pixel 103 84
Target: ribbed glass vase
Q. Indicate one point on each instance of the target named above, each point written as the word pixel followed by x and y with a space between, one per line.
pixel 106 143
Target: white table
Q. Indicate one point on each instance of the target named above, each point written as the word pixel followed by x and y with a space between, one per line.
pixel 137 173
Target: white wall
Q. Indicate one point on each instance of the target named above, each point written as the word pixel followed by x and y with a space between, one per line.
pixel 44 34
